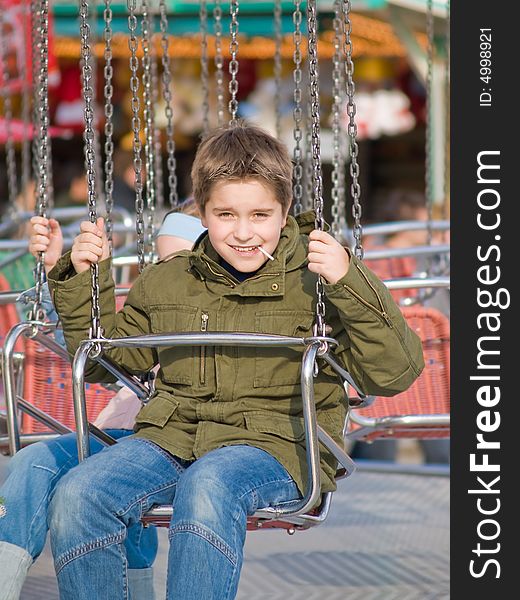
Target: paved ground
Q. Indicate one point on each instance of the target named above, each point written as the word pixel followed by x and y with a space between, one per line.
pixel 386 538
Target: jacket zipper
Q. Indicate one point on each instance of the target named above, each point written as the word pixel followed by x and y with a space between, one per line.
pixel 204 318
pixel 381 312
pixel 231 283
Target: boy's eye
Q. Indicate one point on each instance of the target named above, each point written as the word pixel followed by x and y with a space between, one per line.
pixel 261 215
pixel 225 215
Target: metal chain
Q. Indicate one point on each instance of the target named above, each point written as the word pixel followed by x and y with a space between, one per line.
pixel 219 62
pixel 355 188
pixel 233 63
pixel 8 115
pixel 278 67
pixel 100 191
pixel 159 176
pixel 336 109
pixel 42 143
pixel 26 108
pixel 136 127
pixel 173 197
pixel 204 66
pixel 148 115
pixel 35 63
pixel 297 110
pixel 430 57
pixel 307 198
pixel 90 161
pixel 447 115
pixel 108 92
pixel 316 150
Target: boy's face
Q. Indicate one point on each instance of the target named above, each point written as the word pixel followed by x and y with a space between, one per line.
pixel 241 216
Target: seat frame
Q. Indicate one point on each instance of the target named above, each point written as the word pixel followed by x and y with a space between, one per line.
pixel 301 515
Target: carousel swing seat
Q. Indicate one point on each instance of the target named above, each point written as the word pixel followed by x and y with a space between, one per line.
pixel 313 508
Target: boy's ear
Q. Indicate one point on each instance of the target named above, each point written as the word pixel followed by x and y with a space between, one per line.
pixel 285 215
pixel 202 213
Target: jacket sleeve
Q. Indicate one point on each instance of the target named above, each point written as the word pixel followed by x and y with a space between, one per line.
pixel 381 352
pixel 71 294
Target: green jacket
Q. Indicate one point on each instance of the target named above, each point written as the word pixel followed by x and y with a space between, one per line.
pixel 208 397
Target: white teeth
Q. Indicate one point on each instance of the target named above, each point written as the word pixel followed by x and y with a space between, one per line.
pixel 244 248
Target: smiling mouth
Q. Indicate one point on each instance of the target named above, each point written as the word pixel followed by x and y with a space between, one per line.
pixel 244 249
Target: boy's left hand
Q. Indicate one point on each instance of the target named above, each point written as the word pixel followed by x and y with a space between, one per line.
pixel 327 257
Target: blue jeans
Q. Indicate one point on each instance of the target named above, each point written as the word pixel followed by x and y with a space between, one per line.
pixel 34 473
pixel 96 502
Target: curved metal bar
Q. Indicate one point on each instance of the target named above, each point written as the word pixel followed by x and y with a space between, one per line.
pixel 405 283
pixel 12 258
pixel 343 373
pixel 369 424
pixel 209 339
pixel 28 438
pixel 312 493
pixel 78 393
pixel 341 456
pixel 12 296
pixel 389 422
pixel 398 226
pixel 9 297
pixel 42 416
pixel 10 384
pixel 407 251
pixel 309 410
pixel 131 382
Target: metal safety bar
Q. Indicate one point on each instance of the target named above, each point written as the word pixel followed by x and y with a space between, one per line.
pixel 14 402
pixel 314 434
pixel 398 226
pixel 432 250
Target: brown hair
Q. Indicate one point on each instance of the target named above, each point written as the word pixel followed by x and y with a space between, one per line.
pixel 241 151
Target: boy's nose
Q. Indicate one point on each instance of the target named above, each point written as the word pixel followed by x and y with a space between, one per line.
pixel 243 231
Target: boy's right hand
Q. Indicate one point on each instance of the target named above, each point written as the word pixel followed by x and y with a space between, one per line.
pixel 45 236
pixel 90 246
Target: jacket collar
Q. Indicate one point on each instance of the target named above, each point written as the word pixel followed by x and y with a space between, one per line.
pixel 290 254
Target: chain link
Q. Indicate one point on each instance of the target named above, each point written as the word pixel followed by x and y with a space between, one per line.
pixel 8 116
pixel 89 139
pixel 171 164
pixel 219 62
pixel 233 63
pixel 108 91
pixel 297 110
pixel 35 76
pixel 336 108
pixel 148 133
pixel 26 107
pixel 278 67
pixel 41 138
pixel 316 150
pixel 307 197
pixel 136 128
pixel 355 188
pixel 204 69
pixel 157 141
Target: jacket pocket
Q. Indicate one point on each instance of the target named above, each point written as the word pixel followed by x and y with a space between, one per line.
pixel 157 411
pixel 280 366
pixel 177 362
pixel 286 427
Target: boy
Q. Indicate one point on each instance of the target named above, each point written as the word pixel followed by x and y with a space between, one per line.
pixel 223 435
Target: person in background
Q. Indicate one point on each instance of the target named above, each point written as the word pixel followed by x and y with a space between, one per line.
pixel 35 470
